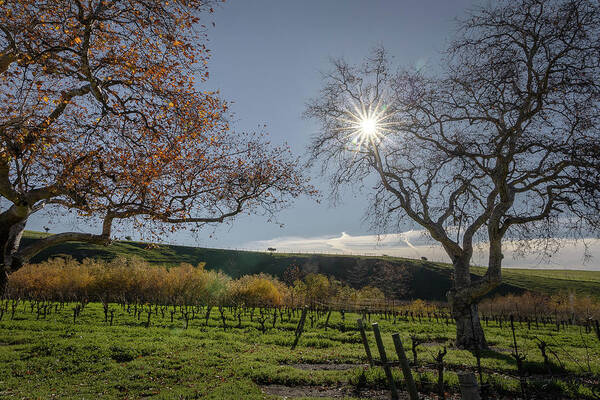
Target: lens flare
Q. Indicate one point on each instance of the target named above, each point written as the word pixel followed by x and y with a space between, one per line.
pixel 366 124
pixel 369 126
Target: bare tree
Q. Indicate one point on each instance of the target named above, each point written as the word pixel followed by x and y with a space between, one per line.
pixel 502 144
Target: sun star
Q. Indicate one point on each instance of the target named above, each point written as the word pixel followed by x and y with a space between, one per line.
pixel 366 124
pixel 369 126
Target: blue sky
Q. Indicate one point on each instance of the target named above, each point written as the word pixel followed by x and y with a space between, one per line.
pixel 267 59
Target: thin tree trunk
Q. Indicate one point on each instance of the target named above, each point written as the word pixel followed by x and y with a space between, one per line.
pixel 3 280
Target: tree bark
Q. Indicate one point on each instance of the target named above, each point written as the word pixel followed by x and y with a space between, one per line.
pixel 10 239
pixel 469 333
pixel 13 241
pixel 3 280
pixel 463 300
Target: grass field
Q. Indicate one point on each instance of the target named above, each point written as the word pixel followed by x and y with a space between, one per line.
pixel 53 357
pixel 427 280
pixel 580 276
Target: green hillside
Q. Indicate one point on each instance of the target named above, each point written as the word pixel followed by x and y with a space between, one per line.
pixel 405 278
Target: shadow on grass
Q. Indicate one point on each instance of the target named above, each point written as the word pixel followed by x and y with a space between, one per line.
pixel 529 367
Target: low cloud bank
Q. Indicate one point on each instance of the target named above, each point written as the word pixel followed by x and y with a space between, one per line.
pixel 415 244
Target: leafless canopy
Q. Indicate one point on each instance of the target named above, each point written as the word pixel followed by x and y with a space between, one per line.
pixel 505 142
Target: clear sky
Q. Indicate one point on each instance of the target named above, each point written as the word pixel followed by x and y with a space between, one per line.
pixel 268 56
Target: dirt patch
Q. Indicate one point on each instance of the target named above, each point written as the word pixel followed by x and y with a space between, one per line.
pixel 436 341
pixel 326 366
pixel 339 392
pixel 500 350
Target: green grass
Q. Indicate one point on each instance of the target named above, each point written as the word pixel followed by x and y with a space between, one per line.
pixel 581 276
pixel 55 357
pixel 426 280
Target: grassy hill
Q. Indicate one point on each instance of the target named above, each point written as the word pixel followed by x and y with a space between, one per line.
pixel 407 278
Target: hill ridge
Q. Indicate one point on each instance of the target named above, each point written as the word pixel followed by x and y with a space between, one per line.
pixel 400 277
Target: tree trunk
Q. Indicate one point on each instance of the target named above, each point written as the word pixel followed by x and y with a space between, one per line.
pixel 10 240
pixel 13 242
pixel 463 305
pixel 3 280
pixel 469 333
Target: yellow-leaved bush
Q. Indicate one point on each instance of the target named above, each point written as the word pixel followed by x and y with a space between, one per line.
pixel 131 280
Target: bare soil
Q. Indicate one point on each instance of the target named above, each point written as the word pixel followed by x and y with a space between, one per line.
pixel 326 366
pixel 339 392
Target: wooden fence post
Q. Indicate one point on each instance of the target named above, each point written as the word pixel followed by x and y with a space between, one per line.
pixel 410 382
pixel 384 362
pixel 363 336
pixel 327 320
pixel 300 327
pixel 468 386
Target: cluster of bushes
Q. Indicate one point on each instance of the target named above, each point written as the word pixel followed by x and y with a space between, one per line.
pixel 122 280
pixel 135 281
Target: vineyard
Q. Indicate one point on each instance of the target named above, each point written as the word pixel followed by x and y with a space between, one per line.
pixel 129 330
pixel 128 281
pixel 476 151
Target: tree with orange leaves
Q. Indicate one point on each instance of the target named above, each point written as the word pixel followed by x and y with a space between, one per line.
pixel 100 113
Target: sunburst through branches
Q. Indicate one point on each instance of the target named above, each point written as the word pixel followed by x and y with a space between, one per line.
pixel 366 124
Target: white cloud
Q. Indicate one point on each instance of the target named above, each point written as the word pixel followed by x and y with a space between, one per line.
pixel 416 244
